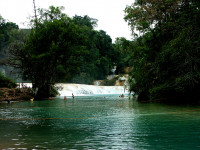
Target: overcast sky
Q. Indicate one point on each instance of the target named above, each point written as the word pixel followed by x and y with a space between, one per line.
pixel 109 13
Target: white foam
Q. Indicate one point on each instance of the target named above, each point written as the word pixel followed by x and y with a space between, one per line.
pixel 66 89
pixel 82 89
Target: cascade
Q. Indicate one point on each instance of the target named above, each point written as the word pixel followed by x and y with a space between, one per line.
pixel 66 89
pixel 82 89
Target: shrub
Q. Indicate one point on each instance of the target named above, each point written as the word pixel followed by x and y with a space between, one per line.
pixel 6 82
pixel 1 93
pixel 111 82
pixel 53 91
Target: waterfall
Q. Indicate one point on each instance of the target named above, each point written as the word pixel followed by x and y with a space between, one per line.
pixel 66 89
pixel 82 89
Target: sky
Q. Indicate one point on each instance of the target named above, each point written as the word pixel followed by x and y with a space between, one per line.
pixel 109 13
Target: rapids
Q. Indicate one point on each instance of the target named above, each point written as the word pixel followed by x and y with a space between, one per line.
pixel 82 89
pixel 66 89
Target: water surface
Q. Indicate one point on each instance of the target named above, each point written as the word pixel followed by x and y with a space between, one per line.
pixel 98 122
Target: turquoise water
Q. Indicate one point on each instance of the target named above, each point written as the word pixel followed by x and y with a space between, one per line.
pixel 98 122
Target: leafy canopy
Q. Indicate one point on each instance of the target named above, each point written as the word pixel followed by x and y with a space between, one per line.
pixel 166 57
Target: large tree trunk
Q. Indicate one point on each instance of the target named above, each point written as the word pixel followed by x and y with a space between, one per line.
pixel 43 92
pixel 42 88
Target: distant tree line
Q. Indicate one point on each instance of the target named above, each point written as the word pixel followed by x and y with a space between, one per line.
pixel 6 37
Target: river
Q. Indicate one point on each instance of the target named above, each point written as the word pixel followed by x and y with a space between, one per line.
pixel 98 122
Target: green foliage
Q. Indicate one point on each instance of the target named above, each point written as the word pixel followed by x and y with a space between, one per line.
pixel 122 56
pixel 99 57
pixel 85 21
pixel 166 59
pixel 1 93
pixel 5 36
pixel 111 82
pixel 7 83
pixel 52 51
pixel 62 49
pixel 53 91
pixel 143 15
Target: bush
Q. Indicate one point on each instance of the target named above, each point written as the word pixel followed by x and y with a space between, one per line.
pixel 161 91
pixel 6 82
pixel 111 82
pixel 1 93
pixel 53 91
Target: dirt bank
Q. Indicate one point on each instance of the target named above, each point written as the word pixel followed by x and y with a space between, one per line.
pixel 15 94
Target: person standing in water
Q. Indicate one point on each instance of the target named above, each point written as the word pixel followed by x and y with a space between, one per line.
pixel 8 100
pixel 72 95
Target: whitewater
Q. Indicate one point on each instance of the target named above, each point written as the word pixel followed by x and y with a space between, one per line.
pixel 66 89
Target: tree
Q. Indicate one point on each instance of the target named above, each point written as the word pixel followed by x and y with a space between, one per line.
pixel 85 21
pixel 106 54
pixel 6 82
pixel 6 37
pixel 98 61
pixel 144 15
pixel 5 29
pixel 123 52
pixel 52 51
pixel 166 58
pixel 87 72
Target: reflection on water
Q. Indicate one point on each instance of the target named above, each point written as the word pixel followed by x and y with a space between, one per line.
pixel 98 122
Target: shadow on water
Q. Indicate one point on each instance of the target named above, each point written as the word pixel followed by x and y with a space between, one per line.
pixel 98 122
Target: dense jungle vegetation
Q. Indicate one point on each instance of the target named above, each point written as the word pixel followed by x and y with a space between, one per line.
pixel 166 56
pixel 61 49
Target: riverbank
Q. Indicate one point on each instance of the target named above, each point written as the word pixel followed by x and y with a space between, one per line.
pixel 21 94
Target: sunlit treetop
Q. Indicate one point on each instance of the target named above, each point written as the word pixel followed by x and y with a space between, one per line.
pixel 145 14
pixel 49 15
